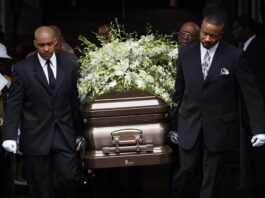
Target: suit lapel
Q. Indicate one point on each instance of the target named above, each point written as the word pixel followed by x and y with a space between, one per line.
pixel 216 62
pixel 39 73
pixel 60 73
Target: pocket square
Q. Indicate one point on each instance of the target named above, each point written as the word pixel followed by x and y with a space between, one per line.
pixel 224 71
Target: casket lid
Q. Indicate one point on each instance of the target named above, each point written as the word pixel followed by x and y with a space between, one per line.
pixel 132 102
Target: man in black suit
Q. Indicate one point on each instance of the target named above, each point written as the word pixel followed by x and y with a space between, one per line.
pixel 252 158
pixel 43 103
pixel 210 74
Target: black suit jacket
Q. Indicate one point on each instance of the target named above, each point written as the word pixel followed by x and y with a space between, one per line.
pixel 255 56
pixel 35 109
pixel 212 104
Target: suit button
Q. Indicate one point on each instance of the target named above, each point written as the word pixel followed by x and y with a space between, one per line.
pixel 56 121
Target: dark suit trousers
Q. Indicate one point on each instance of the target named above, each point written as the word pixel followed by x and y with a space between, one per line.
pixel 199 174
pixel 7 174
pixel 55 175
pixel 254 165
pixel 258 159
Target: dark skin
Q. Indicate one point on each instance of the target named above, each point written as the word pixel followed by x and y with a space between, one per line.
pixel 45 42
pixel 241 34
pixel 210 34
pixel 189 32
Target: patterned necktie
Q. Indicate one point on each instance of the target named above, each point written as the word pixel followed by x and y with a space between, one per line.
pixel 206 64
pixel 50 75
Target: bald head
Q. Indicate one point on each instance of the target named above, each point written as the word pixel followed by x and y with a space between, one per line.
pixel 189 32
pixel 45 41
pixel 57 30
pixel 43 30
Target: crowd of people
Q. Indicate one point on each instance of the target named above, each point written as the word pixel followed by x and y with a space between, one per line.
pixel 219 87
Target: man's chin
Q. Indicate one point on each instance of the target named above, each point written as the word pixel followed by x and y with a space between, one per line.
pixel 46 57
pixel 207 46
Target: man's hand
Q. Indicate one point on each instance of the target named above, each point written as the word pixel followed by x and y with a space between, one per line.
pixel 258 140
pixel 10 146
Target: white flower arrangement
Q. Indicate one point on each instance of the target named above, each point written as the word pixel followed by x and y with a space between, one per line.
pixel 128 62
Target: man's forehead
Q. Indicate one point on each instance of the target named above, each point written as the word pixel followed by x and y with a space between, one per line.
pixel 45 41
pixel 188 28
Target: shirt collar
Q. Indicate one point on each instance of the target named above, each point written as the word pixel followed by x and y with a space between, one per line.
pixel 246 44
pixel 43 61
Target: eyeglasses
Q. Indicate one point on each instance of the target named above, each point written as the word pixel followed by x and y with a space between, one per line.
pixel 185 33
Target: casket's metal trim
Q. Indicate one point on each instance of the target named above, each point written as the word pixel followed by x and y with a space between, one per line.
pixel 124 104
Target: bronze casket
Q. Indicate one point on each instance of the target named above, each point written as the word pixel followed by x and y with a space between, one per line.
pixel 126 129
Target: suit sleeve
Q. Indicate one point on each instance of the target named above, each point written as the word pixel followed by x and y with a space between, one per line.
pixel 177 97
pixel 14 106
pixel 76 103
pixel 179 84
pixel 252 96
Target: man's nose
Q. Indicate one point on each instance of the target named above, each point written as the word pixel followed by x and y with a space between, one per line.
pixel 186 36
pixel 46 48
pixel 207 38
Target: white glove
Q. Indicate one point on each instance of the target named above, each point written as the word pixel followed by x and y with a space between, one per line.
pixel 174 137
pixel 258 140
pixel 78 142
pixel 10 146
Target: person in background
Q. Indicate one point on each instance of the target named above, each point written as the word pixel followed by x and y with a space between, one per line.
pixel 210 74
pixel 104 33
pixel 188 33
pixel 24 49
pixel 252 158
pixel 61 44
pixel 43 102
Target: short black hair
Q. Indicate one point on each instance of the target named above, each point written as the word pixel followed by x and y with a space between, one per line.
pixel 245 21
pixel 214 20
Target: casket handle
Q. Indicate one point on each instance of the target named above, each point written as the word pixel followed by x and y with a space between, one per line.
pixel 127 137
pixel 127 140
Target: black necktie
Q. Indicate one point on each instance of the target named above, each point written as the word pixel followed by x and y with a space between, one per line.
pixel 50 75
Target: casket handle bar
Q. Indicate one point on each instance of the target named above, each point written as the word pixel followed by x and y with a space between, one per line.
pixel 122 139
pixel 127 136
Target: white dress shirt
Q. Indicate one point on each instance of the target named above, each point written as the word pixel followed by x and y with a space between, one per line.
pixel 211 52
pixel 246 44
pixel 53 65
